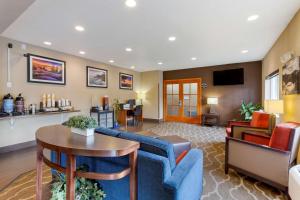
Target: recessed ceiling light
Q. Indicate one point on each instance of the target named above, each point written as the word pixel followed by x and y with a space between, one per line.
pixel 245 51
pixel 82 52
pixel 132 67
pixel 111 61
pixel 193 58
pixel 128 49
pixel 47 43
pixel 253 18
pixel 79 28
pixel 160 63
pixel 130 3
pixel 172 38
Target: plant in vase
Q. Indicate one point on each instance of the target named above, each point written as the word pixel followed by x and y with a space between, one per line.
pixel 117 109
pixel 82 125
pixel 85 189
pixel 247 110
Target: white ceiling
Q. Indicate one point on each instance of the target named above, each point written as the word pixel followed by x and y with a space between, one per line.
pixel 214 31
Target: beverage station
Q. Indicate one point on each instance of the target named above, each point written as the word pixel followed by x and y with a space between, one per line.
pixel 19 119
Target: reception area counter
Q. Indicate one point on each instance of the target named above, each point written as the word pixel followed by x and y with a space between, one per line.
pixel 18 132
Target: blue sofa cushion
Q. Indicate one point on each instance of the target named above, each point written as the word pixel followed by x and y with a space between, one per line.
pixel 152 145
pixel 109 132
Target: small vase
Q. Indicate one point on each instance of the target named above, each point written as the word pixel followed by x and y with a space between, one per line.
pixel 84 132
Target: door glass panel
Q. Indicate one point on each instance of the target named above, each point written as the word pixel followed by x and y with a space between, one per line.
pixel 186 100
pixel 170 110
pixel 169 88
pixel 193 101
pixel 186 88
pixel 169 101
pixel 175 88
pixel 193 111
pixel 194 88
pixel 175 110
pixel 187 112
pixel 175 99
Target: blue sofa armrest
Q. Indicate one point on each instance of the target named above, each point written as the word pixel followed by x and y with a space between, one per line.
pixel 186 179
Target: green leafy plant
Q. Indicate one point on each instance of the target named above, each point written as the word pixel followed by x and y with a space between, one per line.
pixel 81 122
pixel 85 189
pixel 117 108
pixel 247 110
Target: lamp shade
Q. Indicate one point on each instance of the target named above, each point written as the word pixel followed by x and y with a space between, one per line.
pixel 212 100
pixel 274 106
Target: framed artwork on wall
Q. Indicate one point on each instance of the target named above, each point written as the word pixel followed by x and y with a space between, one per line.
pixel 96 77
pixel 126 81
pixel 291 77
pixel 45 70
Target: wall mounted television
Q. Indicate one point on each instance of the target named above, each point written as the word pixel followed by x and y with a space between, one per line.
pixel 229 77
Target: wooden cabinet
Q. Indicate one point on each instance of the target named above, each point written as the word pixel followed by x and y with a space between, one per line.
pixel 105 118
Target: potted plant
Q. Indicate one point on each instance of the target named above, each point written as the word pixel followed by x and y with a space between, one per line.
pixel 247 110
pixel 86 189
pixel 82 125
pixel 117 109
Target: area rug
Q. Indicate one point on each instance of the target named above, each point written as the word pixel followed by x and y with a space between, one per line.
pixel 23 187
pixel 218 185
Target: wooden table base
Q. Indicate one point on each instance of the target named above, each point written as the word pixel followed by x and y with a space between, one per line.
pixel 71 173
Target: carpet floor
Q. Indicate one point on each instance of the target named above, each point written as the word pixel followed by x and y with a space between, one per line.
pixel 217 185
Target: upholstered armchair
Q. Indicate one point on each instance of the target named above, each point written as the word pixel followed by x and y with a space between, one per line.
pixel 261 122
pixel 268 163
pixel 294 183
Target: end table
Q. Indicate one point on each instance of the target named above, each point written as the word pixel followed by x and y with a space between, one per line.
pixel 207 119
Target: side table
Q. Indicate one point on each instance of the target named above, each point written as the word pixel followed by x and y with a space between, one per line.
pixel 210 117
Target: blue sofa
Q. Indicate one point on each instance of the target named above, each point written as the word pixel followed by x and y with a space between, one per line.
pixel 159 177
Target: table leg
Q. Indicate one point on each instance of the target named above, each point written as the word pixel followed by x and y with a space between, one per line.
pixel 39 172
pixel 70 177
pixel 133 177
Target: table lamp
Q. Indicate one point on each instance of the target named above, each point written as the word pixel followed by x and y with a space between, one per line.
pixel 212 101
pixel 275 107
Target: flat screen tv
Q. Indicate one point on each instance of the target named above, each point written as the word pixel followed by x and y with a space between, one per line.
pixel 229 77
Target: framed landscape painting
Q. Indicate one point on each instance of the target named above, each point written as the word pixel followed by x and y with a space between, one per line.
pixel 126 81
pixel 96 77
pixel 45 70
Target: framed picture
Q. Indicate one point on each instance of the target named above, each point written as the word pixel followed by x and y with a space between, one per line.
pixel 126 81
pixel 45 70
pixel 291 77
pixel 96 77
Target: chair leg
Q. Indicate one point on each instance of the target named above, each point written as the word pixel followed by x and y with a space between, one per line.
pixel 226 169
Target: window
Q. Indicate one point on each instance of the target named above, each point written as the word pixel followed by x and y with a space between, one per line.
pixel 272 86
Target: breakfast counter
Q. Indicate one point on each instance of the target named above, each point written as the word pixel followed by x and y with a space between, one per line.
pixel 19 131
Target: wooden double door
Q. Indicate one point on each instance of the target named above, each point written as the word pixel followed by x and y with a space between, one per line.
pixel 182 100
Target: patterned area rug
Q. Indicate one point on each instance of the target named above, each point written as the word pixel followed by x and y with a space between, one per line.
pixel 217 185
pixel 23 187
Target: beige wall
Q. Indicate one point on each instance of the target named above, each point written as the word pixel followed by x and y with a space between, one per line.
pixel 288 41
pixel 152 86
pixel 75 88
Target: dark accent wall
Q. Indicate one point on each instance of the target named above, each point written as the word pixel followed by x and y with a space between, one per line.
pixel 230 97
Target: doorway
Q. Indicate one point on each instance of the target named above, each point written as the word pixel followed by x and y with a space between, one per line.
pixel 182 100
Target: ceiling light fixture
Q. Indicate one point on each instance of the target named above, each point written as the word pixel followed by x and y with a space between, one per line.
pixel 128 49
pixel 111 61
pixel 193 58
pixel 132 67
pixel 130 3
pixel 82 52
pixel 172 38
pixel 160 63
pixel 253 18
pixel 245 51
pixel 48 43
pixel 79 28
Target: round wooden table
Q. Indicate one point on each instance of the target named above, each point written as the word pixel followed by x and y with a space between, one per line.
pixel 60 139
